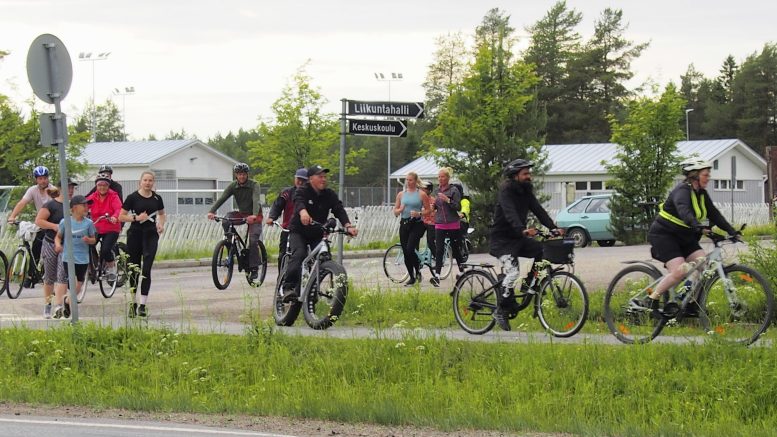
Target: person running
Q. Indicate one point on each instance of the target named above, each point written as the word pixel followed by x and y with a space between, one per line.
pixel 106 203
pixel 428 215
pixel 106 171
pixel 510 235
pixel 447 204
pixel 409 205
pixel 312 202
pixel 284 204
pixel 83 234
pixel 248 199
pixel 48 218
pixel 145 211
pixel 38 196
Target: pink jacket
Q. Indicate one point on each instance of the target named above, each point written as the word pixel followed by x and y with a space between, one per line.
pixel 111 205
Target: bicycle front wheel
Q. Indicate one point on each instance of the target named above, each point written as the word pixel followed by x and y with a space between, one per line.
pixel 737 308
pixel 222 265
pixel 474 301
pixel 17 272
pixel 394 264
pixel 562 304
pixel 447 261
pixel 630 323
pixel 3 273
pixel 284 314
pixel 325 298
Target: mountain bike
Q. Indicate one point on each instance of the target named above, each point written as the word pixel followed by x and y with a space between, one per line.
pixel 233 250
pixel 560 298
pixel 3 272
pixel 23 266
pixel 96 269
pixel 324 285
pixel 731 302
pixel 394 259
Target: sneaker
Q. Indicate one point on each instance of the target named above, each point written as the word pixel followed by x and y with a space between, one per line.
pixel 58 312
pixel 645 303
pixel 142 311
pixel 133 310
pixel 27 283
pixel 435 281
pixel 47 311
pixel 110 274
pixel 254 275
pixel 692 310
pixel 66 310
pixel 501 317
pixel 411 283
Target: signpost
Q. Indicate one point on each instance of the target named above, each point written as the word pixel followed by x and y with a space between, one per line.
pixel 380 128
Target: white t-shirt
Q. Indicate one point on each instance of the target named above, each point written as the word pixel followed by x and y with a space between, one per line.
pixel 33 194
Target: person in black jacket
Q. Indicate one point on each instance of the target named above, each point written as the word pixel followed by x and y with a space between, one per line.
pixel 312 202
pixel 510 236
pixel 675 233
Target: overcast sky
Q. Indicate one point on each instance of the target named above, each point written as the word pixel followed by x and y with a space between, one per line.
pixel 216 66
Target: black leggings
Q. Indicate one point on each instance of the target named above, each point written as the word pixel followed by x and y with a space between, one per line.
pixel 455 237
pixel 107 241
pixel 410 233
pixel 141 248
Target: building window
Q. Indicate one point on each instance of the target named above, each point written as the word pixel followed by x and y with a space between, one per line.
pixel 198 201
pixel 715 164
pixel 740 185
pixel 581 186
pixel 725 184
pixel 596 185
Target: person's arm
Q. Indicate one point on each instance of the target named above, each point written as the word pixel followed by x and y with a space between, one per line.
pixel 42 220
pixel 277 207
pixel 58 238
pixel 717 218
pixel 91 235
pixel 339 211
pixel 26 198
pixel 682 202
pixel 465 208
pixel 226 194
pixel 161 219
pixel 541 214
pixel 398 207
pixel 455 199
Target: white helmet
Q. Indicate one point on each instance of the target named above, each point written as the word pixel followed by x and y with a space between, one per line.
pixel 692 164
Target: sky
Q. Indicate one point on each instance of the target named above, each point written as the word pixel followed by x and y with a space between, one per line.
pixel 211 67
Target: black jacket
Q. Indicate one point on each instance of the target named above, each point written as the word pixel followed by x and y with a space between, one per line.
pixel 318 206
pixel 514 202
pixel 679 205
pixel 284 204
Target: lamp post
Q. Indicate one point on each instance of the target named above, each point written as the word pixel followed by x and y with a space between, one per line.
pixel 394 77
pixel 687 131
pixel 87 56
pixel 128 91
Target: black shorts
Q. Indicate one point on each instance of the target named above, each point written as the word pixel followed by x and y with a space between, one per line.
pixel 80 272
pixel 670 245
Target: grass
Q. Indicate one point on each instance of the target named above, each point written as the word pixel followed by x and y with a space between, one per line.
pixel 184 251
pixel 588 389
pixel 759 230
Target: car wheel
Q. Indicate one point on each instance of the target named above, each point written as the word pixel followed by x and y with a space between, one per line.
pixel 606 243
pixel 579 235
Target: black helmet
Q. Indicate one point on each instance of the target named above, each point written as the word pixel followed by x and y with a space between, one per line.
pixel 241 167
pixel 515 166
pixel 105 168
pixel 428 185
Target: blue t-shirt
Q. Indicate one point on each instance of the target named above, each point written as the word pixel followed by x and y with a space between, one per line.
pixel 84 228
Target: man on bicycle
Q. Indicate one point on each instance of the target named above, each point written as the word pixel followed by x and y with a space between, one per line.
pixel 246 192
pixel 510 237
pixel 284 204
pixel 675 233
pixel 312 202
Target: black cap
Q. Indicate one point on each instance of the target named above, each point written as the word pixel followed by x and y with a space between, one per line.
pixel 72 182
pixel 316 169
pixel 79 200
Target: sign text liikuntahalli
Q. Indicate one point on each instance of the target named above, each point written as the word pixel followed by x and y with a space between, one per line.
pixel 386 109
pixel 378 128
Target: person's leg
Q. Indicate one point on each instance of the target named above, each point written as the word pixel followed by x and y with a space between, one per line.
pixel 456 241
pixel 150 245
pixel 415 233
pixel 439 254
pixel 134 257
pixel 107 244
pixel 293 271
pixel 408 253
pixel 50 269
pixel 254 236
pixel 530 248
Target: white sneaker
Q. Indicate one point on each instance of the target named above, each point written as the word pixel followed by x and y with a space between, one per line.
pixel 58 312
pixel 110 274
pixel 47 311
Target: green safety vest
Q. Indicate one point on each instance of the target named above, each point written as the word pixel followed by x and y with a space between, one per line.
pixel 698 208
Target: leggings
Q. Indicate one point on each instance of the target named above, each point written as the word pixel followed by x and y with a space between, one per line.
pixel 141 248
pixel 410 233
pixel 107 241
pixel 455 237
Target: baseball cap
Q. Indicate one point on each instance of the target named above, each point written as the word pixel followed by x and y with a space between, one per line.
pixel 301 173
pixel 72 182
pixel 79 200
pixel 316 169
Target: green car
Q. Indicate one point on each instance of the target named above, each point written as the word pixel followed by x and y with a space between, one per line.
pixel 587 220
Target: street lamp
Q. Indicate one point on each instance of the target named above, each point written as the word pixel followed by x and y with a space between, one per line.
pixel 395 77
pixel 87 56
pixel 687 131
pixel 128 91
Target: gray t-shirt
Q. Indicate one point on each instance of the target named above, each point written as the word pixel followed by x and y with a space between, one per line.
pixel 38 197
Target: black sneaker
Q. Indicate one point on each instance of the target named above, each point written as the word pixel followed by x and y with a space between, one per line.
pixel 692 310
pixel 411 283
pixel 254 275
pixel 142 311
pixel 66 310
pixel 502 318
pixel 133 310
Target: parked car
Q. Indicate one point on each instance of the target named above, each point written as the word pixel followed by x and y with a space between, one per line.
pixel 587 220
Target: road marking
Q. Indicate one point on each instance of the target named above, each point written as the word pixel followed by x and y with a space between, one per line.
pixel 143 427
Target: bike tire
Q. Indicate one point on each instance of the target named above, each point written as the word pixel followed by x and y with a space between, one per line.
pixel 394 264
pixel 122 259
pixel 223 264
pixel 474 301
pixel 744 320
pixel 107 288
pixel 562 304
pixel 17 273
pixel 3 273
pixel 284 314
pixel 262 268
pixel 325 299
pixel 625 323
pixel 447 262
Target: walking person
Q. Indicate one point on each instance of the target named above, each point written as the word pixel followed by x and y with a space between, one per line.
pixel 145 212
pixel 284 204
pixel 447 204
pixel 409 206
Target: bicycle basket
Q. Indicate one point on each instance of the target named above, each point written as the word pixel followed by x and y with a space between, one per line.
pixel 27 231
pixel 559 251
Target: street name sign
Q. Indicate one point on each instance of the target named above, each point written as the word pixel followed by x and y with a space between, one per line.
pixel 386 109
pixel 378 128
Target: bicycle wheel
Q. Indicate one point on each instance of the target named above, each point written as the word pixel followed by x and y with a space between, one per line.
pixel 3 273
pixel 17 272
pixel 262 272
pixel 628 323
pixel 562 304
pixel 285 314
pixel 737 308
pixel 222 264
pixel 394 264
pixel 107 287
pixel 447 261
pixel 466 249
pixel 474 301
pixel 121 257
pixel 325 298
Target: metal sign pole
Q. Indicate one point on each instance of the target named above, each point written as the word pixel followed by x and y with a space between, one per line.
pixel 341 189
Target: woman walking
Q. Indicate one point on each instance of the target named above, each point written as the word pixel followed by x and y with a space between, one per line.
pixel 145 211
pixel 409 205
pixel 446 222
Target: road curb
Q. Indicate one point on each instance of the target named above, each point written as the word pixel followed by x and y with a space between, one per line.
pixel 206 262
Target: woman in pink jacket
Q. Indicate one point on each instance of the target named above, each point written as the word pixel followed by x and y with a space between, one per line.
pixel 105 209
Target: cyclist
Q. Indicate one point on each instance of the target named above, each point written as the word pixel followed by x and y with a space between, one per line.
pixel 106 171
pixel 105 201
pixel 447 204
pixel 247 196
pixel 409 204
pixel 284 204
pixel 38 195
pixel 510 236
pixel 82 235
pixel 674 235
pixel 312 202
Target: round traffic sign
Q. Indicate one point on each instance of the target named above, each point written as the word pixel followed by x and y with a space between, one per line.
pixel 49 68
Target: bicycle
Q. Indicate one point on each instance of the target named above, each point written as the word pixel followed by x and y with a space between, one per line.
pixel 96 271
pixel 560 298
pixel 3 272
pixel 22 262
pixel 232 250
pixel 324 283
pixel 394 259
pixel 734 302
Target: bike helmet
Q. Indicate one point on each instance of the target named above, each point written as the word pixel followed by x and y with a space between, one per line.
pixel 40 171
pixel 105 168
pixel 515 166
pixel 694 164
pixel 241 167
pixel 428 185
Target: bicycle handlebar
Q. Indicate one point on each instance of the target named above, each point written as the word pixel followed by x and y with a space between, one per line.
pixel 237 221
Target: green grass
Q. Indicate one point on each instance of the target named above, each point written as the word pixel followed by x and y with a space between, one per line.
pixel 759 230
pixel 586 389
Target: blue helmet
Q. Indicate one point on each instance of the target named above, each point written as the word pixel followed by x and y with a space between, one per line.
pixel 40 171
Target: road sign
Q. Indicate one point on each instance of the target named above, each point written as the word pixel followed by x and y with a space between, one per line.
pixel 386 109
pixel 53 129
pixel 49 68
pixel 377 128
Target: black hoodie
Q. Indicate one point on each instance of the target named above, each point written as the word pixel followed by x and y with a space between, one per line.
pixel 514 202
